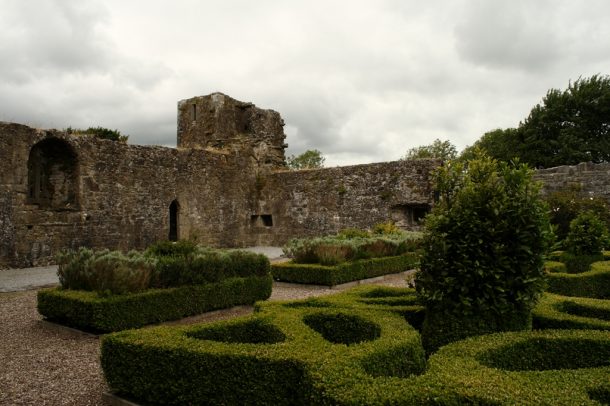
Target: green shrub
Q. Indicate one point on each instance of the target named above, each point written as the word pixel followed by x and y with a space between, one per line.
pixel 579 263
pixel 182 248
pixel 100 132
pixel 163 265
pixel 562 312
pixel 90 312
pixel 175 280
pixel 333 254
pixel 483 251
pixel 588 235
pixel 191 265
pixel 349 233
pixel 105 272
pixel 566 205
pixel 594 283
pixel 388 228
pixel 333 250
pixel 344 272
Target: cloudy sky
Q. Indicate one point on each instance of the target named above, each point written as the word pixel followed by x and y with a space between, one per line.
pixel 362 81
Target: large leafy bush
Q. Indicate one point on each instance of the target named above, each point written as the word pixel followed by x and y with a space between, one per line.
pixel 482 266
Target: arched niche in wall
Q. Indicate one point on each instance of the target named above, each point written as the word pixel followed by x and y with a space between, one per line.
pixel 53 175
pixel 174 211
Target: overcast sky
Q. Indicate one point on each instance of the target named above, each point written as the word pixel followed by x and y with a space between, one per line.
pixel 362 81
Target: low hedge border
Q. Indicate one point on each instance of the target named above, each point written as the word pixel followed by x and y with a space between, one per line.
pixel 556 255
pixel 274 357
pixel 279 356
pixel 473 371
pixel 555 266
pixel 552 367
pixel 554 312
pixel 402 301
pixel 316 274
pixel 593 284
pixel 91 312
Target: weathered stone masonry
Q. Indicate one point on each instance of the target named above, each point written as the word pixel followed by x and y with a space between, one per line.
pixel 225 185
pixel 587 178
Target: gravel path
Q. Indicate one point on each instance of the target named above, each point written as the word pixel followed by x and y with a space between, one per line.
pixel 44 365
pixel 12 280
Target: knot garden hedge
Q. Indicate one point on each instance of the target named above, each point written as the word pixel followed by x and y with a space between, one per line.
pixel 361 348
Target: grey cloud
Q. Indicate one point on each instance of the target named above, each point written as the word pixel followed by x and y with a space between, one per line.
pixel 509 34
pixel 50 38
pixel 360 83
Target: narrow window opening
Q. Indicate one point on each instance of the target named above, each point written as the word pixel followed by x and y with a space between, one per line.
pixel 194 112
pixel 174 208
pixel 261 220
pixel 419 213
pixel 267 220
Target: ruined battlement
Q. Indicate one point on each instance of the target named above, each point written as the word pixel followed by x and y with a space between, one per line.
pixel 219 122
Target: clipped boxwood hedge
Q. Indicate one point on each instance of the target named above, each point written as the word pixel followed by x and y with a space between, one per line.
pixel 554 311
pixel 594 283
pixel 91 312
pixel 402 301
pixel 345 272
pixel 549 367
pixel 353 349
pixel 280 356
pixel 555 266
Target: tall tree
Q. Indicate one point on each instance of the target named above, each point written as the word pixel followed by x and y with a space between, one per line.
pixel 444 150
pixel 568 127
pixel 571 126
pixel 310 159
pixel 503 145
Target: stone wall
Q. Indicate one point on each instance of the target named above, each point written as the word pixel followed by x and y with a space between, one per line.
pixel 123 197
pixel 588 178
pixel 324 201
pixel 120 196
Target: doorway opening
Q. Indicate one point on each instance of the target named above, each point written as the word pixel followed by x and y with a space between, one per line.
pixel 174 209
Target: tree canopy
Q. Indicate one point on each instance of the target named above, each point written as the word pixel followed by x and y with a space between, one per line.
pixel 444 150
pixel 568 127
pixel 310 159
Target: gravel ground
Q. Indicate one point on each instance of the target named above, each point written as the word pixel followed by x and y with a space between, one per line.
pixel 45 365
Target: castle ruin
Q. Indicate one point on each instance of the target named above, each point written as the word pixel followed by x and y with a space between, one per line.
pixel 226 184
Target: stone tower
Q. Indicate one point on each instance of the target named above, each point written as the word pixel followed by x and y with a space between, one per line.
pixel 219 122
